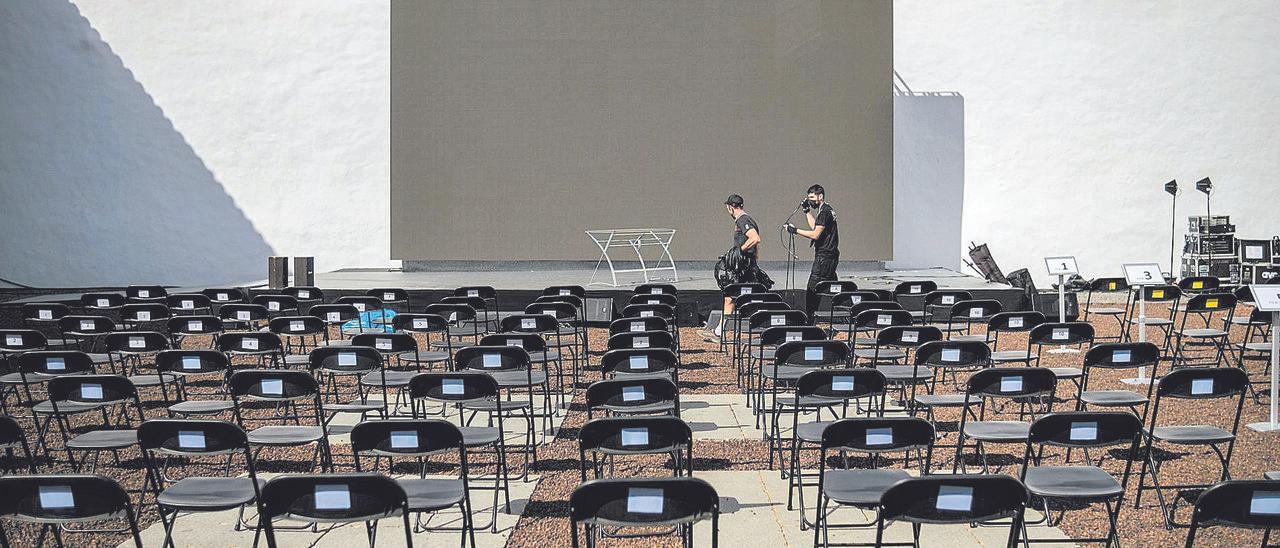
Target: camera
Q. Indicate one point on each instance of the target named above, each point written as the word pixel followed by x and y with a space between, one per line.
pixel 808 204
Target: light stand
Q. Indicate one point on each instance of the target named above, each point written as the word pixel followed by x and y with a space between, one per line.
pixel 1172 188
pixel 791 248
pixel 1206 186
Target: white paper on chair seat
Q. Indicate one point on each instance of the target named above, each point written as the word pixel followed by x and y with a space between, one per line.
pixel 388 296
pixel 948 299
pixel 137 342
pixel 777 319
pixel 1061 333
pixel 794 336
pixel 191 363
pixel 333 497
pixel 950 354
pixel 55 364
pixel 272 387
pixel 421 323
pixel 492 360
pixel 56 496
pixel 745 291
pixel 222 297
pixel 812 353
pixel 855 299
pixel 187 304
pixel 655 290
pixel 333 316
pixel 1121 356
pixel 528 323
pixel 297 326
pixel 346 358
pixel 1016 321
pixel 44 314
pixel 632 393
pixel 635 436
pixel 638 362
pixel 473 292
pixel 243 315
pixel 835 288
pixel 195 325
pixel 1084 431
pixel 304 294
pixel 1011 384
pixel 453 387
pixel 87 325
pixel 879 436
pixel 884 319
pixel 103 303
pixel 640 342
pixel 91 391
pixel 13 340
pixel 273 305
pixel 637 326
pixel 249 343
pixel 191 439
pixel 976 312
pixel 1201 386
pixel 842 383
pixel 142 316
pixel 515 342
pixel 955 498
pixel 564 292
pixel 910 336
pixel 382 344
pixel 359 306
pixel 644 500
pixel 404 439
pixel 1265 502
pixel 646 314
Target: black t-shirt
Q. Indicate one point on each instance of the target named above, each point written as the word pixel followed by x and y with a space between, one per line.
pixel 741 225
pixel 828 243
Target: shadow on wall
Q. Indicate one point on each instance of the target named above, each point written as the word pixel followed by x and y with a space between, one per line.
pixel 928 177
pixel 97 187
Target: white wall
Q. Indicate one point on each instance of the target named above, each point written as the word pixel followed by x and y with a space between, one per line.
pixel 1077 112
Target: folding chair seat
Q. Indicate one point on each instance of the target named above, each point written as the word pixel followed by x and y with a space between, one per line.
pixel 879 438
pixel 953 499
pixel 139 316
pixel 45 318
pixel 645 503
pixel 1006 323
pixel 1080 483
pixel 265 348
pixel 476 391
pixel 1193 384
pixel 1239 504
pixel 1029 389
pixel 334 317
pixel 299 335
pixel 166 441
pixel 181 327
pixel 334 498
pixel 607 439
pixel 644 396
pixel 420 439
pixel 1118 356
pixel 1208 309
pixel 54 501
pixel 299 419
pixel 307 297
pixel 962 315
pixel 188 366
pixel 243 316
pixel 937 304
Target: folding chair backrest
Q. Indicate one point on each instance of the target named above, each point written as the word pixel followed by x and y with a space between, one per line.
pixel 363 303
pixel 387 343
pixel 102 300
pixel 243 312
pixel 145 292
pixel 55 362
pixel 345 359
pixel 668 299
pixel 908 336
pixel 389 294
pixel 531 342
pixel 454 313
pixel 575 290
pixel 1196 383
pixel 404 438
pixel 1122 355
pixel 1253 504
pixel 482 291
pixel 737 291
pixel 1244 294
pixel 194 325
pixel 940 353
pixel 664 311
pixel 44 312
pixel 562 312
pixel 492 358
pixel 92 389
pixel 956 498
pixel 637 392
pixel 62 498
pixel 20 340
pixel 296 325
pixel 773 318
pixel 333 497
pixel 1161 293
pixel 656 289
pixel 746 310
pixel 419 323
pixel 1086 429
pixel 1109 285
pixel 530 323
pixel 1211 302
pixel 192 362
pixel 457 386
pixel 136 342
pixel 873 318
pixel 1196 284
pixel 144 312
pixel 635 435
pixel 187 437
pixel 188 302
pixel 854 298
pixel 85 325
pixel 223 295
pixel 878 434
pixel 791 333
pixel 1062 334
pixel 334 313
pixel 273 385
pixel 477 303
pixel 835 287
pixel 919 288
pixel 638 323
pixel 975 310
pixel 841 384
pixel 946 297
pixel 643 501
pixel 305 293
pixel 277 303
pixel 638 360
pixel 249 342
pixel 641 339
pixel 1013 322
pixel 1011 382
pixel 821 353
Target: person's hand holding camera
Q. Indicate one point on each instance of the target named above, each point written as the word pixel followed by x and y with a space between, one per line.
pixel 806 205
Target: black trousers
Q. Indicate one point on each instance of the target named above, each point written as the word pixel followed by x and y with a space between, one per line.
pixel 824 269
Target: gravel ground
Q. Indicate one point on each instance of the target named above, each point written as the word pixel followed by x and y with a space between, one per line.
pixel 706 371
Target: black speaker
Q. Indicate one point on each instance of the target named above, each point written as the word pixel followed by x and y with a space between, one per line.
pixel 304 271
pixel 277 272
pixel 1047 304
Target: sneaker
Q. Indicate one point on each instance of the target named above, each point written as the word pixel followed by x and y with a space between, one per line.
pixel 706 334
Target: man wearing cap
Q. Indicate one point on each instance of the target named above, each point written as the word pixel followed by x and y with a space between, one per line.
pixel 746 240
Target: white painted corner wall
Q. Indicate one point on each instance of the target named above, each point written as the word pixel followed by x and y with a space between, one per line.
pixel 262 127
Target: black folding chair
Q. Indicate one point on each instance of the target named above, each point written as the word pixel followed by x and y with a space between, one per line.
pixel 1060 335
pixel 1085 483
pixel 45 318
pixel 164 441
pixel 512 368
pixel 937 304
pixel 1208 308
pixel 358 363
pixel 1007 323
pixel 1166 295
pixel 420 439
pixel 644 503
pixel 181 327
pixel 133 354
pixel 871 321
pixel 879 438
pixel 12 437
pixel 627 363
pixel 1192 384
pixel 298 336
pixel 307 296
pixel 953 499
pixel 335 499
pixel 962 315
pixel 1106 286
pixel 606 439
pixel 1251 504
pixel 263 347
pixel 792 360
pixel 54 501
pixel 1118 357
pixel 266 396
pixel 933 360
pixel 111 395
pixel 1030 389
pixel 35 368
pixel 193 367
pixel 334 317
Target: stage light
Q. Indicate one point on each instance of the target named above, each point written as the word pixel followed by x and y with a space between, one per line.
pixel 1171 187
pixel 1204 185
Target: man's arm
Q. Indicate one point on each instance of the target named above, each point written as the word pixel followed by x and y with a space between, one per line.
pixel 753 239
pixel 811 234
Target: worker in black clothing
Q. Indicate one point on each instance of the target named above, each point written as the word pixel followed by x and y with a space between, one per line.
pixel 825 236
pixel 746 242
